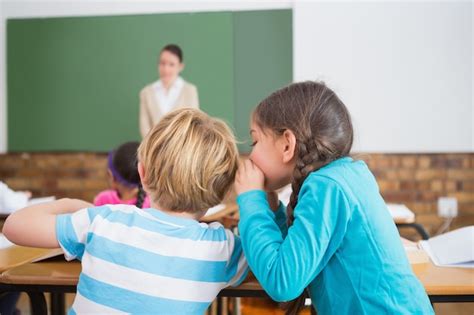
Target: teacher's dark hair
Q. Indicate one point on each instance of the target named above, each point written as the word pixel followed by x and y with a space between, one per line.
pixel 175 50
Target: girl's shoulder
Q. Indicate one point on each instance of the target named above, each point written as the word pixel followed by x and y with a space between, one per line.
pixel 344 175
pixel 338 174
pixel 342 168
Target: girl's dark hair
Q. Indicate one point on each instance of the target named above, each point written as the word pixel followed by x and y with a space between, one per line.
pixel 123 164
pixel 175 50
pixel 323 130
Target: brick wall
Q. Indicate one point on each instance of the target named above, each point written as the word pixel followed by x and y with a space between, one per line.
pixel 77 175
pixel 416 180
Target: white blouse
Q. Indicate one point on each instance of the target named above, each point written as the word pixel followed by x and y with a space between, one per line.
pixel 166 99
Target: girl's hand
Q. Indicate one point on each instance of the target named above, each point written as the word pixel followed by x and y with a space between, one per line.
pixel 248 177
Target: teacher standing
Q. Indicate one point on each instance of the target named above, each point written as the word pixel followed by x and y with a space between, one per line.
pixel 169 92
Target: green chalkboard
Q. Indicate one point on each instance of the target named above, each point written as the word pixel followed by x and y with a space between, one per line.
pixel 263 52
pixel 73 83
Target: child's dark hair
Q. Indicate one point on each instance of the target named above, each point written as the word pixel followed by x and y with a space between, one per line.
pixel 175 50
pixel 322 126
pixel 123 165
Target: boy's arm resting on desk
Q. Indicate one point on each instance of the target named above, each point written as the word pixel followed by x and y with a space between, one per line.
pixel 314 236
pixel 35 225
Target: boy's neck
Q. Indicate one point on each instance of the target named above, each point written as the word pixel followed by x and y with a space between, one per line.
pixel 181 214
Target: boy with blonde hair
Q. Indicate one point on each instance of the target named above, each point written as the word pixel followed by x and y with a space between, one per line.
pixel 159 260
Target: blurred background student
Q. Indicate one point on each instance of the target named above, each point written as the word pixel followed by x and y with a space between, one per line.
pixel 170 92
pixel 124 179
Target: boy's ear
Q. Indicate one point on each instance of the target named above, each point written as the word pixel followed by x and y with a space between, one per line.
pixel 181 68
pixel 142 173
pixel 289 145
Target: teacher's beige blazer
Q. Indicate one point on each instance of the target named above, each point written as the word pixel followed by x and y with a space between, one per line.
pixel 150 110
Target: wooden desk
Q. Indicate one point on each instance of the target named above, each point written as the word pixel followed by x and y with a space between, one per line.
pixel 233 208
pixel 60 273
pixel 14 256
pixel 61 277
pixel 229 217
pixel 441 284
pixel 446 284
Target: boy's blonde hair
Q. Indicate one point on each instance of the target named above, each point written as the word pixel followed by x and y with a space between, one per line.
pixel 190 160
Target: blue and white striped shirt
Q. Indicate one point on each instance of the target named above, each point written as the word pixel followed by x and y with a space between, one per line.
pixel 148 262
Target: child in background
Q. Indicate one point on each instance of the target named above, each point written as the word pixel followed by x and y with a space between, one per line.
pixel 159 260
pixel 124 179
pixel 337 238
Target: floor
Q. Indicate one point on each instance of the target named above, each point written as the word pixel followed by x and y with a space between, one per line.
pixel 251 306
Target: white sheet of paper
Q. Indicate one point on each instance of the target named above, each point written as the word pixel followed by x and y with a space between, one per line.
pixel 34 201
pixel 4 242
pixel 452 249
pixel 215 209
pixel 400 211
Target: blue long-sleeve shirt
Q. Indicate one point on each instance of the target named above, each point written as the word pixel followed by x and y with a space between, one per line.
pixel 343 244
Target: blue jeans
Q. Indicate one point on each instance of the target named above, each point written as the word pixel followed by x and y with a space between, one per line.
pixel 8 302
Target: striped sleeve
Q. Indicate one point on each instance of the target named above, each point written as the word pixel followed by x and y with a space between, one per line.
pixel 237 266
pixel 72 230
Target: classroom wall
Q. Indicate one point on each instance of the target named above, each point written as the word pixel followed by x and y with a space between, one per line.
pixel 404 69
pixel 416 180
pixel 68 73
pixel 3 73
pixel 66 8
pixel 417 54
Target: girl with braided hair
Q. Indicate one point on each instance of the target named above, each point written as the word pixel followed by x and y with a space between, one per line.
pixel 336 240
pixel 126 187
